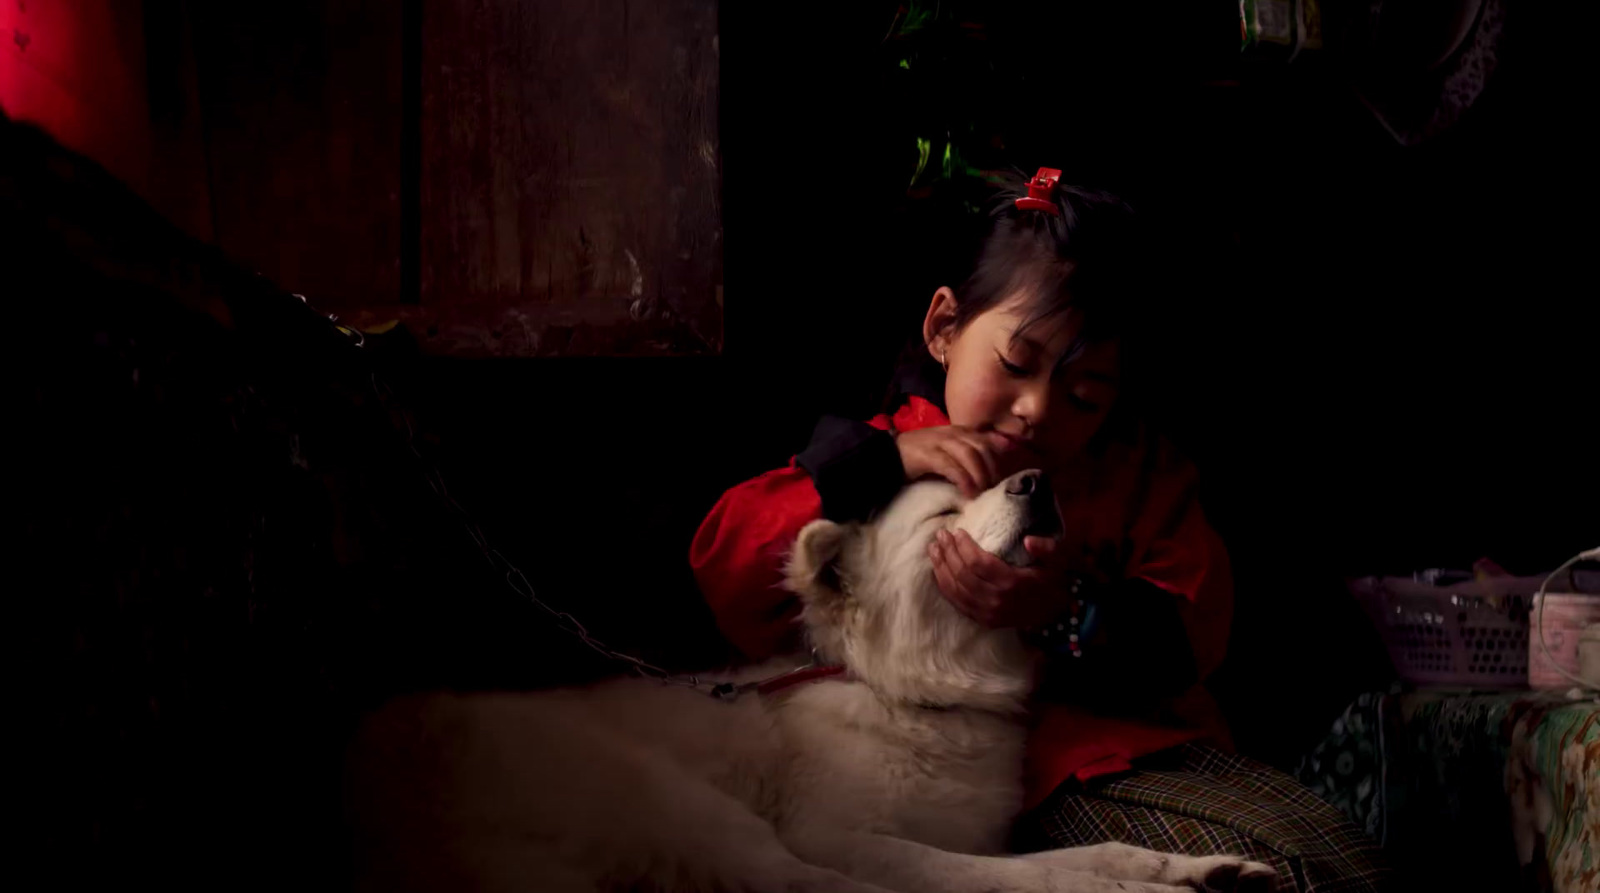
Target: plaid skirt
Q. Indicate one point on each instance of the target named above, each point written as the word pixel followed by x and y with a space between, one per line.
pixel 1199 801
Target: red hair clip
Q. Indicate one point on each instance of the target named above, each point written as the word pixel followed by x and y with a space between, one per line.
pixel 1042 192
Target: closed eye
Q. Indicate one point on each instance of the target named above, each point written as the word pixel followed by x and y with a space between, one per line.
pixel 1012 369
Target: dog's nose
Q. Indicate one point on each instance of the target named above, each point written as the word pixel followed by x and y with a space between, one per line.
pixel 1032 487
pixel 1027 483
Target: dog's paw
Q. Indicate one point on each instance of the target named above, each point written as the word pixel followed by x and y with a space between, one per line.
pixel 1222 874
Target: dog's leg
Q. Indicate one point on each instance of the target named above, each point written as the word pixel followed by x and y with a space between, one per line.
pixel 1119 860
pixel 910 867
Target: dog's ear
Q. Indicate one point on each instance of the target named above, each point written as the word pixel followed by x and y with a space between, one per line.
pixel 813 570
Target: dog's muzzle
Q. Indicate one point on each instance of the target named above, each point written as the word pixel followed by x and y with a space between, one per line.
pixel 1032 488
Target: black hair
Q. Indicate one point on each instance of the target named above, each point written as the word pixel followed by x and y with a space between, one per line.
pixel 1082 262
pixel 1085 262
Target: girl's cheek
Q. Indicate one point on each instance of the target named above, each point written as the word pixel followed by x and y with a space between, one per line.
pixel 964 402
pixel 987 400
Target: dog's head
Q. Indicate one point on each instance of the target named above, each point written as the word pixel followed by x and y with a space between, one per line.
pixel 871 601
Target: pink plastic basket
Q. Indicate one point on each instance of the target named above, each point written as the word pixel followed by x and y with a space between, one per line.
pixel 1472 634
pixel 1565 616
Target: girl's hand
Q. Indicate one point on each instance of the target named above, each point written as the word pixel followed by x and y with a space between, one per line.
pixel 992 592
pixel 962 456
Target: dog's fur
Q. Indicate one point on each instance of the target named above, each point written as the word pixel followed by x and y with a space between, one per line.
pixel 903 775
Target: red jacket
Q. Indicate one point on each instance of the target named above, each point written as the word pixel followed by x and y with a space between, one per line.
pixel 1134 506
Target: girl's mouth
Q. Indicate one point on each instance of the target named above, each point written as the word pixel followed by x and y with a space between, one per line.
pixel 1009 442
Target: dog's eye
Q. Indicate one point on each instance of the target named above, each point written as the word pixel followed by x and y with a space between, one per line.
pixel 947 512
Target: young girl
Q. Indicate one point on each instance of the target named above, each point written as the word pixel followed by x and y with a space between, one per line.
pixel 1023 368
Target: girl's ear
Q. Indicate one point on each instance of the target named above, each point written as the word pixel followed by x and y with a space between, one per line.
pixel 939 325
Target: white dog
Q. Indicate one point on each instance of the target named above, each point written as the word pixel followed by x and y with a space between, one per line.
pixel 902 773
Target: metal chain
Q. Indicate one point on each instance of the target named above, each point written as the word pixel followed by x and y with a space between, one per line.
pixel 513 576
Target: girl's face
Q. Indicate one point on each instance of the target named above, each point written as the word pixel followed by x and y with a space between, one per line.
pixel 1014 387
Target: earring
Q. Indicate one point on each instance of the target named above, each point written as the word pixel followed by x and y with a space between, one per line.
pixel 943 362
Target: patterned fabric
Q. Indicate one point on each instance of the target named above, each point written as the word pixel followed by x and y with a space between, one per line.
pixel 1503 782
pixel 1345 768
pixel 1553 785
pixel 1199 801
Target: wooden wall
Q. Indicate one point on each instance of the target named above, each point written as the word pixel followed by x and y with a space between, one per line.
pixel 302 106
pixel 508 178
pixel 569 180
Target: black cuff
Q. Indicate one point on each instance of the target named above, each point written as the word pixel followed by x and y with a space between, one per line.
pixel 856 468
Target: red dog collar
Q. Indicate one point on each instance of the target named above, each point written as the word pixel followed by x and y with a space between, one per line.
pixel 805 674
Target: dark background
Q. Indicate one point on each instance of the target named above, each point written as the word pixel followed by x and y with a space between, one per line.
pixel 1383 358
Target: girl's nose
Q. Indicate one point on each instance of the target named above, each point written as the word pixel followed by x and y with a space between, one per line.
pixel 1030 403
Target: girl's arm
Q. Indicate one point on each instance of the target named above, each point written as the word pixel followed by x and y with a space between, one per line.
pixel 850 470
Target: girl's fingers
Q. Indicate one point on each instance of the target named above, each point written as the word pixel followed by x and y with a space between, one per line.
pixel 954 590
pixel 980 596
pixel 971 462
pixel 947 467
pixel 987 596
pixel 986 567
pixel 984 452
pixel 1040 546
